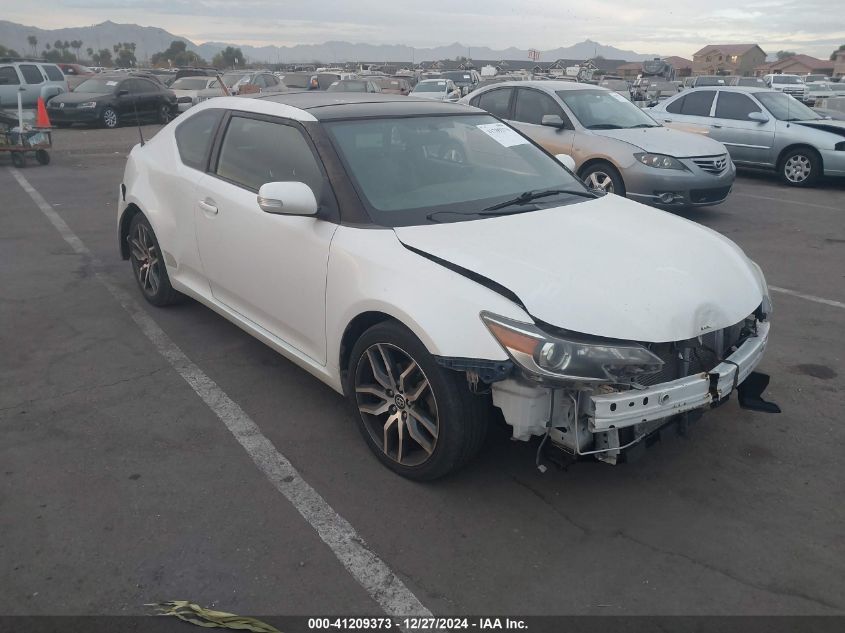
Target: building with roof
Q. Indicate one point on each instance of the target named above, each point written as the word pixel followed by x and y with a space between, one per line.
pixel 797 65
pixel 728 59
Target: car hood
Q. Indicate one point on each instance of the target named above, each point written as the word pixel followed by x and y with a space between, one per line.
pixel 436 96
pixel 188 93
pixel 80 97
pixel 832 126
pixel 663 140
pixel 608 267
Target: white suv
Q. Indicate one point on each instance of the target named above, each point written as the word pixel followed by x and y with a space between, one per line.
pixel 32 79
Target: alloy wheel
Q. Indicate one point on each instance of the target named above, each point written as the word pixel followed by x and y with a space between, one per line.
pixel 797 168
pixel 145 260
pixel 164 114
pixel 110 118
pixel 600 181
pixel 396 402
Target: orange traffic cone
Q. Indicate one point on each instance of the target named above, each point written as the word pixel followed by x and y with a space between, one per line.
pixel 41 119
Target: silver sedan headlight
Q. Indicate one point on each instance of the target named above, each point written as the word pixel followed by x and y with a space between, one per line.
pixel 660 161
pixel 571 357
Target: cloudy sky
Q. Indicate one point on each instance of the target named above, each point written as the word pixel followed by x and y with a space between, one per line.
pixel 667 27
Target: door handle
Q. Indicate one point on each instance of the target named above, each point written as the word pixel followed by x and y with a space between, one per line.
pixel 667 120
pixel 718 127
pixel 207 207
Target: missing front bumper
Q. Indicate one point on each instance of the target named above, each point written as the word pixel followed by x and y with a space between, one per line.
pixel 628 408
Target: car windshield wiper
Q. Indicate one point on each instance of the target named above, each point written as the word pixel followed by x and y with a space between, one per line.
pixel 604 126
pixel 529 196
pixel 642 125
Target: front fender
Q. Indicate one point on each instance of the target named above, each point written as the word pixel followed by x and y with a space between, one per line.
pixel 371 271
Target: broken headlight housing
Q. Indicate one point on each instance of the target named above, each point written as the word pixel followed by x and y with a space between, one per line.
pixel 660 161
pixel 570 356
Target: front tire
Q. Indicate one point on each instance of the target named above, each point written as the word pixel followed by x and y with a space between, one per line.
pixel 419 419
pixel 604 177
pixel 147 261
pixel 109 118
pixel 800 167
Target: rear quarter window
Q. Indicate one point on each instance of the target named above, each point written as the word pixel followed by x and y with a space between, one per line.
pixel 53 73
pixel 194 136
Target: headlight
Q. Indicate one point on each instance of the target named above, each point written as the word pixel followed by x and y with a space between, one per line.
pixel 660 161
pixel 88 105
pixel 573 357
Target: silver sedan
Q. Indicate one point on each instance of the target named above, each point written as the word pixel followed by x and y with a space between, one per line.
pixel 615 145
pixel 761 128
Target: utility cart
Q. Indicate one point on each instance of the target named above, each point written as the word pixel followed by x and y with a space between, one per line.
pixel 18 144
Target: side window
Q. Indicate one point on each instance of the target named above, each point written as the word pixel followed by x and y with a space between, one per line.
pixel 130 85
pixel 531 105
pixel 31 74
pixel 255 152
pixel 8 76
pixel 193 137
pixel 676 105
pixel 145 85
pixel 271 80
pixel 259 81
pixel 53 72
pixel 496 102
pixel 734 105
pixel 698 103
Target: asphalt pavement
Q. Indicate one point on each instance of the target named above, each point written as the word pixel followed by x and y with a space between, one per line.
pixel 120 486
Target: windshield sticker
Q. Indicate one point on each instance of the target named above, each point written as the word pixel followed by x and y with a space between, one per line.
pixel 111 83
pixel 502 134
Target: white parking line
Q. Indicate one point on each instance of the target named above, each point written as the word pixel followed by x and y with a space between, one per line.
pixel 801 295
pixel 787 201
pixel 365 566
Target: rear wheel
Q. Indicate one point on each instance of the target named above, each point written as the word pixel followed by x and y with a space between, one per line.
pixel 419 419
pixel 18 159
pixel 164 114
pixel 42 156
pixel 603 177
pixel 148 263
pixel 109 118
pixel 800 167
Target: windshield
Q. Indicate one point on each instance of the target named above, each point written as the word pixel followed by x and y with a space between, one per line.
pixel 604 110
pixel 786 79
pixel 434 86
pixel 615 84
pixel 230 79
pixel 454 166
pixel 97 86
pixel 297 81
pixel 461 78
pixel 348 86
pixel 750 81
pixel 190 83
pixel 785 107
pixel 709 81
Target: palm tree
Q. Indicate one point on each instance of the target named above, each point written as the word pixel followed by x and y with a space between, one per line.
pixel 90 52
pixel 33 42
pixel 57 45
pixel 76 45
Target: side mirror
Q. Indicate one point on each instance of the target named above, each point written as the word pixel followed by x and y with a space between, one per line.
pixel 122 93
pixel 287 198
pixel 565 159
pixel 552 120
pixel 758 116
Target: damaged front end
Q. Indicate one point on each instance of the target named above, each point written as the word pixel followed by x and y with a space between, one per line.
pixel 592 396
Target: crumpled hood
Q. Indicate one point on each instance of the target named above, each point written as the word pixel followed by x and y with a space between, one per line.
pixel 663 140
pixel 608 267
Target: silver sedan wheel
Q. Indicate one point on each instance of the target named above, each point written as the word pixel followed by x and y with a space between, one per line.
pixel 600 181
pixel 797 168
pixel 395 400
pixel 145 260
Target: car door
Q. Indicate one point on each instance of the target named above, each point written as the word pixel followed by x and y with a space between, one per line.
pixel 127 101
pixel 10 83
pixel 33 80
pixel 747 141
pixel 496 101
pixel 148 97
pixel 690 112
pixel 529 108
pixel 269 268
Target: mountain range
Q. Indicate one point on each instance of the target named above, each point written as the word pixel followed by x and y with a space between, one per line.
pixel 149 40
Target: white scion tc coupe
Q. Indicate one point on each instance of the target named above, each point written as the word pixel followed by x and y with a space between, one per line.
pixel 429 262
